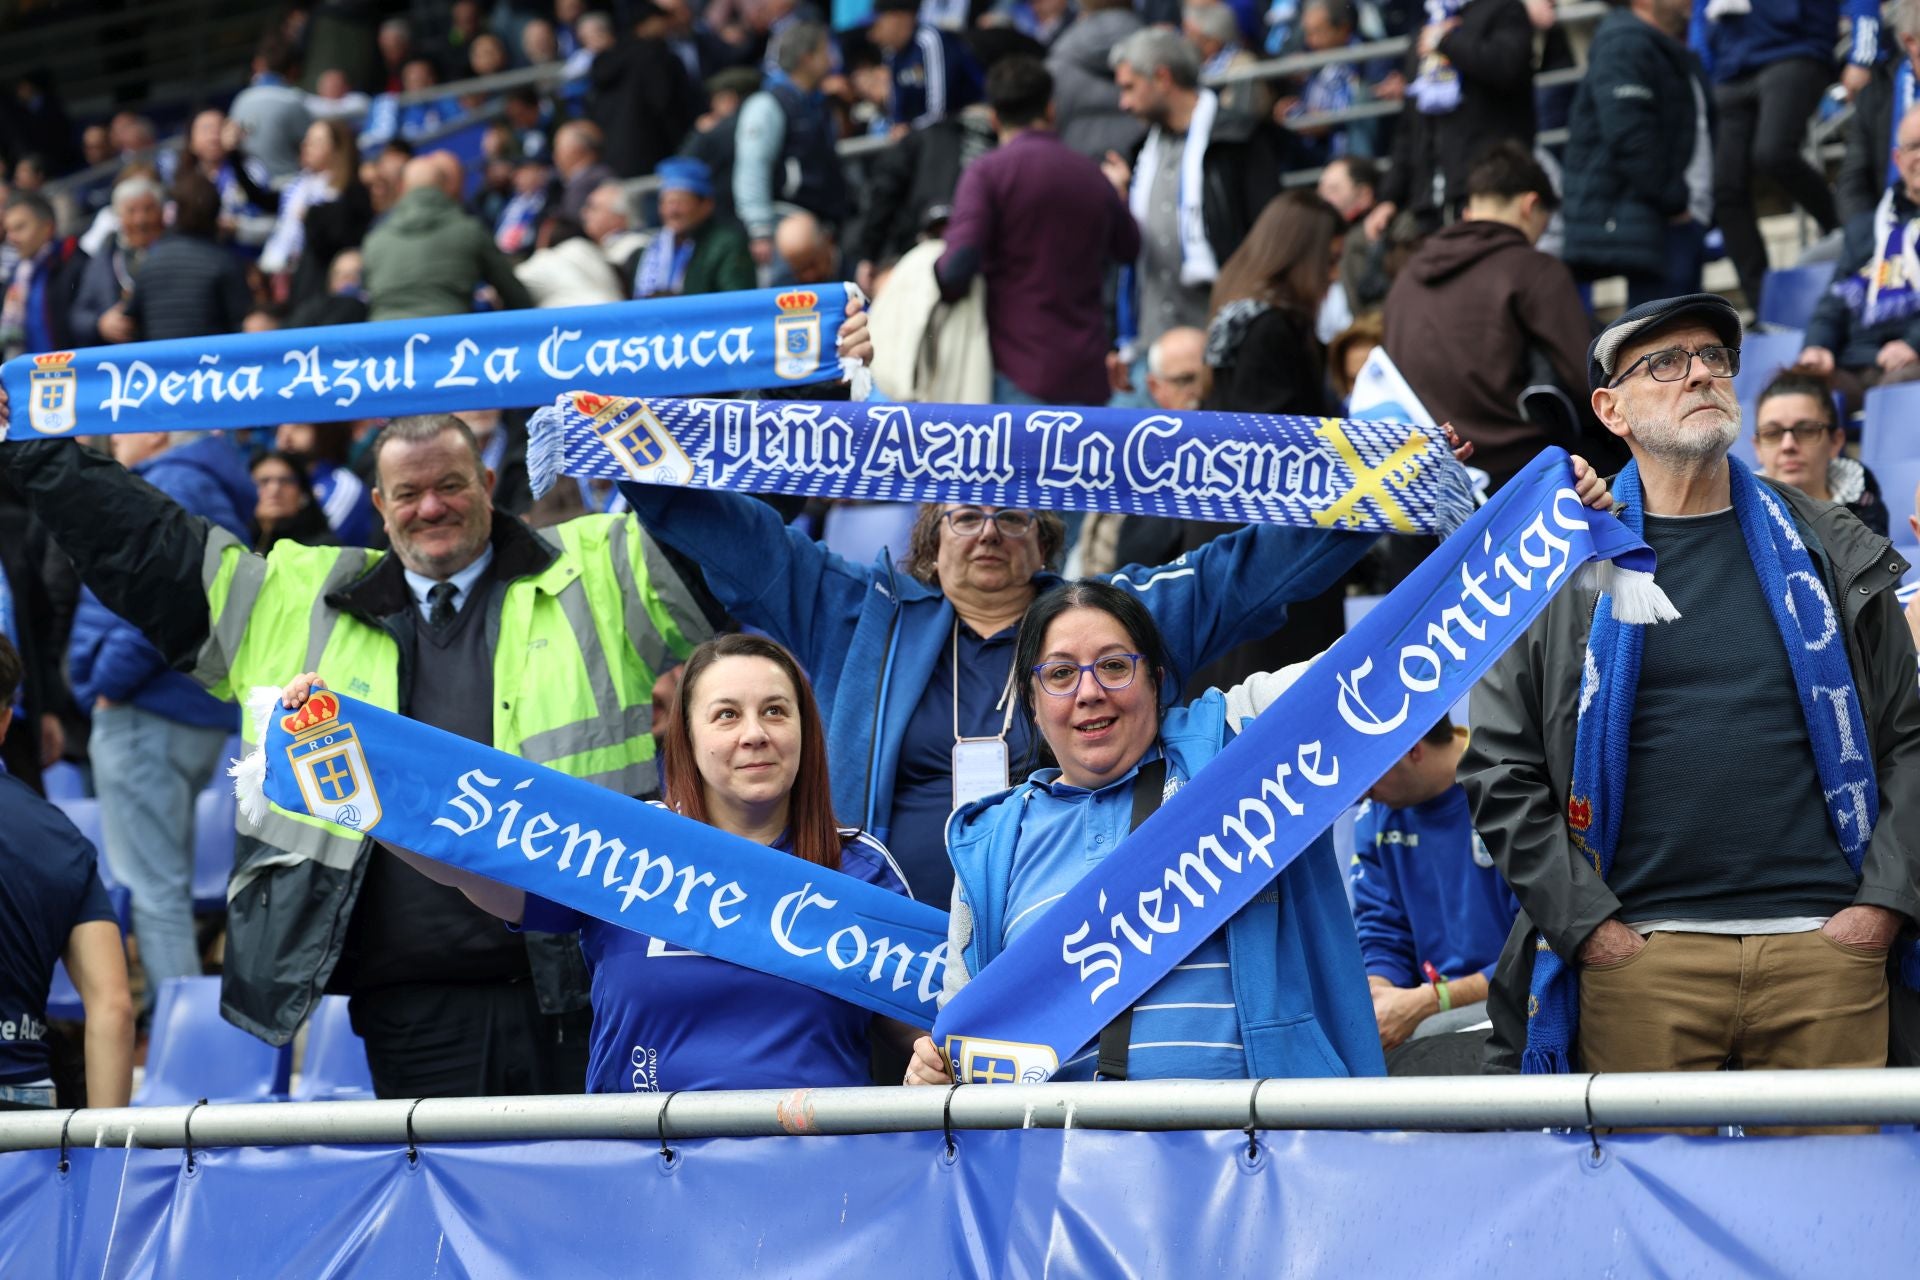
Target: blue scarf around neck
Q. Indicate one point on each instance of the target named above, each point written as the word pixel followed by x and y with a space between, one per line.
pixel 1813 632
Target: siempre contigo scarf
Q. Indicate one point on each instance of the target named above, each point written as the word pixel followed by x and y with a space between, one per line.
pixel 1269 794
pixel 1305 472
pixel 1810 629
pixel 707 345
pixel 629 863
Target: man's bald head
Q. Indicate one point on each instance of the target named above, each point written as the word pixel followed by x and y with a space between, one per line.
pixel 806 247
pixel 437 169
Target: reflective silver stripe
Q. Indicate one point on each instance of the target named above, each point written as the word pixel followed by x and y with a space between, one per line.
pixel 579 613
pixel 634 780
pixel 673 593
pixel 596 734
pixel 641 633
pixel 351 563
pixel 290 844
pixel 225 632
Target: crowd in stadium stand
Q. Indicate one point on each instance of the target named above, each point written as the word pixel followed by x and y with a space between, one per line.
pixel 1054 202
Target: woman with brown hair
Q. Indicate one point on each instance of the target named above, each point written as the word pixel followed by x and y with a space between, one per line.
pixel 744 751
pixel 325 209
pixel 1260 339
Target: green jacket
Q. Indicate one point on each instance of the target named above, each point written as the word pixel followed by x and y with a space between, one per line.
pixel 426 257
pixel 722 262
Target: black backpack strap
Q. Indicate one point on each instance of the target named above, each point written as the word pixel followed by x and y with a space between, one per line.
pixel 1148 786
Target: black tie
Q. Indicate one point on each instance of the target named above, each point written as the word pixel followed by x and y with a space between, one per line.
pixel 440 596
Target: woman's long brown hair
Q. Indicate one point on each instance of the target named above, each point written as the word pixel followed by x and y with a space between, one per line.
pixel 1283 260
pixel 816 834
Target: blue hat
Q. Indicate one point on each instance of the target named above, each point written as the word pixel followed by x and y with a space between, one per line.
pixel 684 173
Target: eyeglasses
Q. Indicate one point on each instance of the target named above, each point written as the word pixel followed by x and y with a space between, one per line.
pixel 1674 363
pixel 1802 432
pixel 1112 673
pixel 968 523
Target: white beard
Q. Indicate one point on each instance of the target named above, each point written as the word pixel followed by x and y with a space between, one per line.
pixel 1667 439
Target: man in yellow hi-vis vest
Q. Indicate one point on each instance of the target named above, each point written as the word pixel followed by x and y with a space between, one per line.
pixel 545 645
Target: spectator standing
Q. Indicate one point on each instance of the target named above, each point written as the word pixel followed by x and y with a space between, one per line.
pixel 1260 335
pixel 1471 85
pixel 271 112
pixel 1326 25
pixel 915 177
pixel 693 252
pixel 38 596
pixel 1431 912
pixel 1865 330
pixel 714 133
pixel 784 148
pixel 189 287
pixel 1866 171
pixel 1086 100
pixel 578 146
pixel 1214 30
pixel 211 147
pixel 1799 440
pixel 57 909
pixel 395 44
pixel 1350 184
pixel 99 311
pixel 1486 266
pixel 427 256
pixel 322 211
pixel 1638 182
pixel 1042 225
pixel 1771 61
pixel 931 71
pixel 1200 178
pixel 643 101
pixel 158 738
pixel 1687 943
pixel 37 308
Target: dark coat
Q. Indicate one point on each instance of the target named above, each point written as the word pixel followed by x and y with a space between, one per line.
pixel 1834 324
pixel 99 290
pixel 1629 139
pixel 189 288
pixel 331 227
pixel 1863 170
pixel 644 103
pixel 1241 172
pixel 1492 50
pixel 1519 765
pixel 909 179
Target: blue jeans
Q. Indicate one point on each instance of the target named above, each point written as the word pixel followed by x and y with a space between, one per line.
pixel 147 770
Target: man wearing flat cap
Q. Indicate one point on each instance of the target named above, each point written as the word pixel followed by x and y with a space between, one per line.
pixel 1712 823
pixel 694 252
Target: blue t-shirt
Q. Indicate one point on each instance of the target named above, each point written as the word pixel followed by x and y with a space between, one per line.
pixel 923 782
pixel 49 884
pixel 665 1018
pixel 1425 891
pixel 1185 1026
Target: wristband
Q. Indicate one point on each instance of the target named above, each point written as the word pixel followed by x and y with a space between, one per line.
pixel 1446 998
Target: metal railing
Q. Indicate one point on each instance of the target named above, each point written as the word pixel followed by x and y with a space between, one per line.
pixel 1458 1103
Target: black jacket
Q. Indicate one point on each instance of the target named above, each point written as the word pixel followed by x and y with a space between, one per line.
pixel 1834 324
pixel 1629 139
pixel 644 103
pixel 1492 51
pixel 1863 171
pixel 1519 765
pixel 189 288
pixel 909 179
pixel 1241 172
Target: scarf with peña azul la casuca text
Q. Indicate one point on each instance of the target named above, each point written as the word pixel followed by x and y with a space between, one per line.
pixel 707 345
pixel 1224 836
pixel 620 860
pixel 1306 472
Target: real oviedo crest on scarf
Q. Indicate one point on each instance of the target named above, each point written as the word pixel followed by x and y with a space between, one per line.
pixel 330 766
pixel 52 407
pixel 635 436
pixel 796 335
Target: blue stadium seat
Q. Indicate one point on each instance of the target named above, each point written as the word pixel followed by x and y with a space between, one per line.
pixel 860 532
pixel 63 781
pixel 1788 295
pixel 63 1001
pixel 1761 356
pixel 1898 478
pixel 213 835
pixel 335 1066
pixel 195 1053
pixel 1892 428
pixel 84 813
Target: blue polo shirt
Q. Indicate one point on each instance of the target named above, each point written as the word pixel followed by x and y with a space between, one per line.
pixel 1185 1026
pixel 665 1018
pixel 1425 891
pixel 49 885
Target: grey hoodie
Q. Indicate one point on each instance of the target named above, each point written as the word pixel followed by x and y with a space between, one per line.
pixel 1086 100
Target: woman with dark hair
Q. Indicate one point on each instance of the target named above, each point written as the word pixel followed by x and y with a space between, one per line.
pixel 286 510
pixel 744 752
pixel 1260 337
pixel 1799 440
pixel 1095 683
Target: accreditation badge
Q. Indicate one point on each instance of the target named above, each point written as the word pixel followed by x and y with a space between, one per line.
pixel 979 769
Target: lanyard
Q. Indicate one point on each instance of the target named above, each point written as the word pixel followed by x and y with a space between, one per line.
pixel 979 764
pixel 1006 695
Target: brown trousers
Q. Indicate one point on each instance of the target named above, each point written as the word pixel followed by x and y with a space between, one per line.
pixel 1700 1002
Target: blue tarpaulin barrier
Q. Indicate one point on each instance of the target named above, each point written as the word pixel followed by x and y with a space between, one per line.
pixel 1015 1203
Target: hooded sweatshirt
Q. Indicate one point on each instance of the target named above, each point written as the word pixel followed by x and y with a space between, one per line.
pixel 1085 99
pixel 427 256
pixel 1461 319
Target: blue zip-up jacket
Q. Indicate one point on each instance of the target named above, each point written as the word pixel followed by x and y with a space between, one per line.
pixel 109 657
pixel 869 637
pixel 1299 991
pixel 1425 891
pixel 933 78
pixel 1740 44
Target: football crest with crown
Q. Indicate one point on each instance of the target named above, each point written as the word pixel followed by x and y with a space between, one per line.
pixel 330 766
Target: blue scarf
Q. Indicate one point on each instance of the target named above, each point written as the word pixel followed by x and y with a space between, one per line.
pixel 1810 629
pixel 619 860
pixel 1269 794
pixel 503 360
pixel 1239 467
